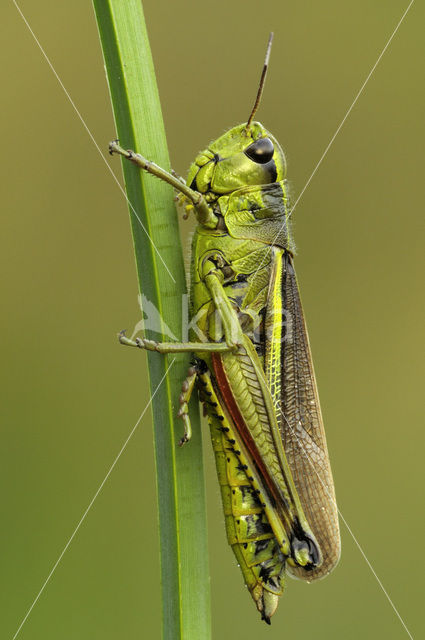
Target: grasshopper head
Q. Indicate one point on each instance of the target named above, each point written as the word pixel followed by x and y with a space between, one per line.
pixel 245 155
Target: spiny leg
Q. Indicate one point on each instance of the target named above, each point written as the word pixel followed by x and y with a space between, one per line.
pixel 188 384
pixel 155 170
pixel 174 347
pixel 194 371
pixel 183 413
pixel 205 214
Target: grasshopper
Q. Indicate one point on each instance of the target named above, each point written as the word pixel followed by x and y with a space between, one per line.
pixel 253 365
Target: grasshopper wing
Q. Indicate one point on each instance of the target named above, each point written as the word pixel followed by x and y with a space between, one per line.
pixel 290 374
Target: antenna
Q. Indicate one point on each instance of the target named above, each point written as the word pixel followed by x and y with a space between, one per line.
pixel 262 81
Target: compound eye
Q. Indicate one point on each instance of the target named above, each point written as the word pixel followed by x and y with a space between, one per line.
pixel 260 151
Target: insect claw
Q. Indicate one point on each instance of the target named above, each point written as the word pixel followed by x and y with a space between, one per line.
pixel 265 618
pixel 112 145
pixel 121 336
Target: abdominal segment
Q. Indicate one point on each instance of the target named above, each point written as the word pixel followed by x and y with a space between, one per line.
pixel 248 530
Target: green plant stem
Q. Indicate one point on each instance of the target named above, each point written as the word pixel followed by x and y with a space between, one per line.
pixel 180 484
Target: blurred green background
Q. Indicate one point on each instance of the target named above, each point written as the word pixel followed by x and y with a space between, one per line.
pixel 71 395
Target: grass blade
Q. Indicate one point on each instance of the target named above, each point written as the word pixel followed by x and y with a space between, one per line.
pixel 181 496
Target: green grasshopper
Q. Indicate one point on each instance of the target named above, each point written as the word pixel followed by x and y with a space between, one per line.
pixel 253 366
